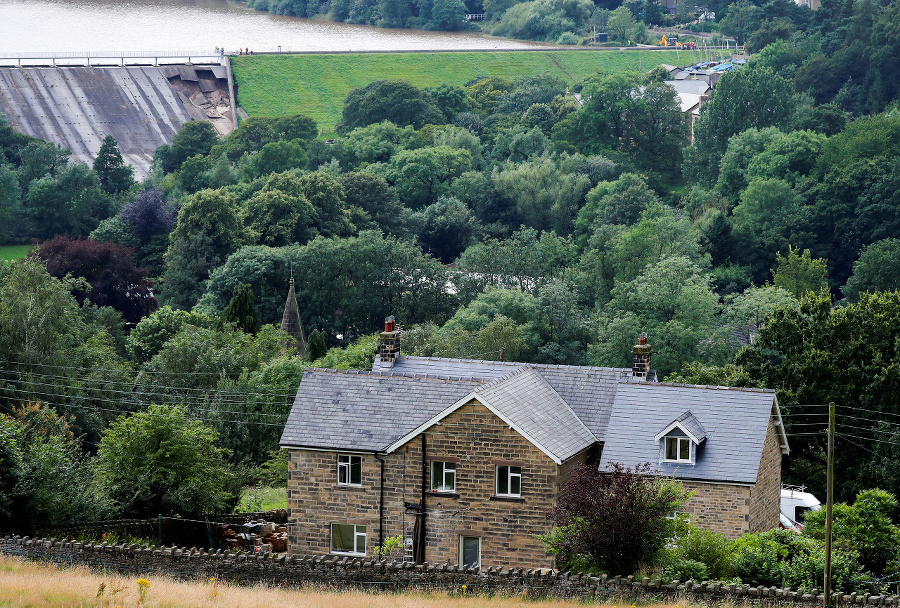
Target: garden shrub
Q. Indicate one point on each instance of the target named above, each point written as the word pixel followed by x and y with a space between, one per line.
pixel 706 547
pixel 685 570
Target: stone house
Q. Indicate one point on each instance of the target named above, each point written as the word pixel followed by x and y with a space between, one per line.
pixel 463 459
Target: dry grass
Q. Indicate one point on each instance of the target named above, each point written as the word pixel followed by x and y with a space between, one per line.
pixel 28 585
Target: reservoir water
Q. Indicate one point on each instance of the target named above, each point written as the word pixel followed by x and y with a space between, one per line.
pixel 59 26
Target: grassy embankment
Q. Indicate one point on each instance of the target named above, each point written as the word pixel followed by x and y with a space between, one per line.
pixel 26 585
pixel 315 85
pixel 262 499
pixel 14 252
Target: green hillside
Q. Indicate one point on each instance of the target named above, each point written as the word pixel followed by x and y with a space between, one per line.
pixel 315 85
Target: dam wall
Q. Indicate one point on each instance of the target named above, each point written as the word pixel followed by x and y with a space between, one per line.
pixel 142 107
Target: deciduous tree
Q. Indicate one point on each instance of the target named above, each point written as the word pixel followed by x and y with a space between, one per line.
pixel 160 461
pixel 111 276
pixel 877 269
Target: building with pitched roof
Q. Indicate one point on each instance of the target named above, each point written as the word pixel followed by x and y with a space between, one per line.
pixel 463 459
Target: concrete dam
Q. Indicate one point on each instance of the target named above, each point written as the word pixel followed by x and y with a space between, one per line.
pixel 142 107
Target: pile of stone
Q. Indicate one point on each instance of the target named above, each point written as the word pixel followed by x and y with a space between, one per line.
pixel 258 536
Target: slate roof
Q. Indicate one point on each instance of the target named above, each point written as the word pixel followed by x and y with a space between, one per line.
pixel 561 409
pixel 694 87
pixel 689 423
pixel 528 402
pixel 735 423
pixel 352 410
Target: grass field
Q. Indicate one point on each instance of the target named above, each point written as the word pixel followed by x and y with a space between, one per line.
pixel 14 252
pixel 27 585
pixel 262 499
pixel 315 85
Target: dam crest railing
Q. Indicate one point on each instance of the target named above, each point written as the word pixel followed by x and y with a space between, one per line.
pixel 111 58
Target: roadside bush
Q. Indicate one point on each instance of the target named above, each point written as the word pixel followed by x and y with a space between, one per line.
pixel 785 558
pixel 695 544
pixel 806 568
pixel 685 570
pixel 758 557
pixel 864 527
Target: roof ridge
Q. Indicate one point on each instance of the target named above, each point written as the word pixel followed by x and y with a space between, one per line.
pixel 744 389
pixel 520 363
pixel 396 374
pixel 519 370
pixel 458 360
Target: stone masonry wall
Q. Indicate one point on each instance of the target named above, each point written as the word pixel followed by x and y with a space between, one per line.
pixel 722 508
pixel 337 573
pixel 475 440
pixel 765 498
pixel 315 500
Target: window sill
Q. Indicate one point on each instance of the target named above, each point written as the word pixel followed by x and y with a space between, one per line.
pixel 348 486
pixel 508 498
pixel 346 554
pixel 443 494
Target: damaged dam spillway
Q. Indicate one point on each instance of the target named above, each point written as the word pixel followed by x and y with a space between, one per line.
pixel 141 107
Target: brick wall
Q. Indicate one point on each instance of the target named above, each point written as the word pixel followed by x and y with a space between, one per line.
pixel 765 498
pixel 476 441
pixel 722 508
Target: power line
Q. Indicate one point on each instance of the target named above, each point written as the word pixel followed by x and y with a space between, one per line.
pixel 217 395
pixel 129 386
pixel 870 439
pixel 119 411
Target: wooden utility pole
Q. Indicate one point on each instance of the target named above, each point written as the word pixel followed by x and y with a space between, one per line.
pixel 828 501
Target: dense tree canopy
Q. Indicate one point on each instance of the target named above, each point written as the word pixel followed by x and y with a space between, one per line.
pixel 495 216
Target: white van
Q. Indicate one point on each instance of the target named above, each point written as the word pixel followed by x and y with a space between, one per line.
pixel 796 502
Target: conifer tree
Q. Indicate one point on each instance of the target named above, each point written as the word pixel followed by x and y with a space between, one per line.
pixel 115 175
pixel 242 310
pixel 315 346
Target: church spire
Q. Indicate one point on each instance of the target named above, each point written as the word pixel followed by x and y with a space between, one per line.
pixel 291 323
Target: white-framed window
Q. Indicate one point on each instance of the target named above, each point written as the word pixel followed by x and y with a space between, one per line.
pixel 349 470
pixel 348 538
pixel 443 476
pixel 470 551
pixel 677 448
pixel 509 481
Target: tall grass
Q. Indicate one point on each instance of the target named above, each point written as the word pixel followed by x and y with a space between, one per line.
pixel 315 85
pixel 262 499
pixel 25 584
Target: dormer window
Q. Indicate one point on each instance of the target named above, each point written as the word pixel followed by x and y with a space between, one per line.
pixel 678 442
pixel 677 449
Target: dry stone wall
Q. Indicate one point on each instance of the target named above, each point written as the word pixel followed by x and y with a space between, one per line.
pixel 322 571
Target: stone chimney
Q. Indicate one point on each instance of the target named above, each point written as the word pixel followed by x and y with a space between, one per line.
pixel 390 342
pixel 292 325
pixel 640 358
